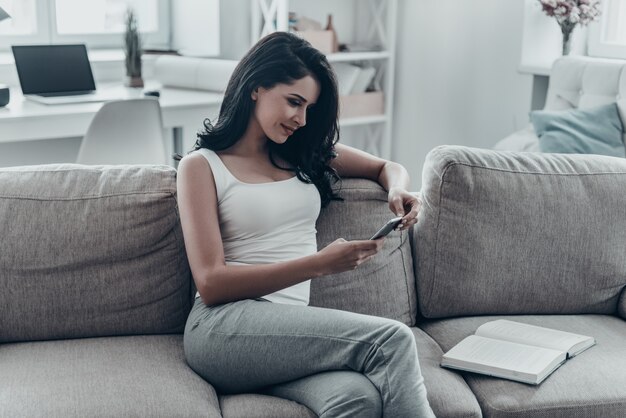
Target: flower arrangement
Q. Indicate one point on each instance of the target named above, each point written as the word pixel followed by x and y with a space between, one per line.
pixel 569 13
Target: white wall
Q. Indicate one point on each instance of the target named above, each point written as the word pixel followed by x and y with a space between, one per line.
pixel 195 27
pixel 456 77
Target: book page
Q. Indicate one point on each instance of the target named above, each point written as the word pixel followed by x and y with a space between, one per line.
pixel 503 359
pixel 518 332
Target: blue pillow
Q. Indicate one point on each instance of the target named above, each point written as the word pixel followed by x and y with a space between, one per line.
pixel 596 130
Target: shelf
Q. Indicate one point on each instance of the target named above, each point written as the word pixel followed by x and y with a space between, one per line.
pixel 371 30
pixel 357 56
pixel 535 69
pixel 362 120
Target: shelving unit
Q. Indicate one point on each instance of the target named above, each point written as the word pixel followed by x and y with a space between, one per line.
pixel 373 22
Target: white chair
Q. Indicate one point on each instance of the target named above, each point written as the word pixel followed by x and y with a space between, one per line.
pixel 125 132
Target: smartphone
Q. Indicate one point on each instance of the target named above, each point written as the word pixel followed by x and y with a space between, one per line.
pixel 387 228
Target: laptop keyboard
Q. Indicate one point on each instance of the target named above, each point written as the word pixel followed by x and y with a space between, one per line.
pixel 65 93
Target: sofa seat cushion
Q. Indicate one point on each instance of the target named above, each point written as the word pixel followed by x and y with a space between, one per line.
pixel 253 405
pixel 448 394
pixel 592 384
pixel 139 376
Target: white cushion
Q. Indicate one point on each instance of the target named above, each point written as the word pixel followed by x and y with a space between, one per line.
pixel 522 140
pixel 194 73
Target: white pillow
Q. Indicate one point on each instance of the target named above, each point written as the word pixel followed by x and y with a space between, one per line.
pixel 522 140
pixel 194 73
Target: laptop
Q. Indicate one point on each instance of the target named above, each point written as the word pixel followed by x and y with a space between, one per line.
pixel 58 74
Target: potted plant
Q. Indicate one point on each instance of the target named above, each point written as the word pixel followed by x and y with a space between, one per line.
pixel 132 50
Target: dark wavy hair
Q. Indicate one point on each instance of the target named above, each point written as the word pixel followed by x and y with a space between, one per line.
pixel 282 58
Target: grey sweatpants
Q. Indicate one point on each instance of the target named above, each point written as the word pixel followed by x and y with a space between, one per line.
pixel 337 363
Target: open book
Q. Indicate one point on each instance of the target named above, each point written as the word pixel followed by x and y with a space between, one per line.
pixel 515 351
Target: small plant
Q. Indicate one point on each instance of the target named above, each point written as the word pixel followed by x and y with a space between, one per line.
pixel 132 49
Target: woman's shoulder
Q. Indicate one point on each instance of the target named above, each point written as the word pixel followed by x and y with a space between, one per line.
pixel 194 161
pixel 201 154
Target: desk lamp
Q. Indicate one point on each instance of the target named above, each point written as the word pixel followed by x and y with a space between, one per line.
pixel 4 90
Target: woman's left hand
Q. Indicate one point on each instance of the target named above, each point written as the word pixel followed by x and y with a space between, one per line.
pixel 405 204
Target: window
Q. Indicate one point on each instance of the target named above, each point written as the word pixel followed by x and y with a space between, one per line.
pixel 27 24
pixel 101 22
pixel 23 17
pixel 98 23
pixel 607 38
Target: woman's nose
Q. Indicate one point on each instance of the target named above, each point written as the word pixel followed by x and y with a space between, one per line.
pixel 301 117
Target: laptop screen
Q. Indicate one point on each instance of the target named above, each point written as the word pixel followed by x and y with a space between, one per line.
pixel 53 68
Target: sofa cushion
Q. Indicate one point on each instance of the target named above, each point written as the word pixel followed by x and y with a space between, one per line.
pixel 247 405
pixel 592 384
pixel 523 140
pixel 597 130
pixel 90 251
pixel 384 285
pixel 512 232
pixel 448 394
pixel 135 376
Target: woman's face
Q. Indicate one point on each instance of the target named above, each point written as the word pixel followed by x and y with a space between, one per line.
pixel 282 109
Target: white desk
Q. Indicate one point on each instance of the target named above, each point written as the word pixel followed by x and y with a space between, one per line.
pixel 183 112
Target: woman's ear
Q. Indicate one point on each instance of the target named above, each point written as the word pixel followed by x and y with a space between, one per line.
pixel 255 94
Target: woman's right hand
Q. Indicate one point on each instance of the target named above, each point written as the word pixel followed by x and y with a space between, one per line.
pixel 341 255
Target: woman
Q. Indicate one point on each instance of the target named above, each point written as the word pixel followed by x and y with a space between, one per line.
pixel 249 196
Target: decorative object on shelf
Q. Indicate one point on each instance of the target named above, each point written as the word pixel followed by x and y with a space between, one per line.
pixel 302 23
pixel 325 40
pixel 570 13
pixel 5 95
pixel 330 27
pixel 132 50
pixel 3 15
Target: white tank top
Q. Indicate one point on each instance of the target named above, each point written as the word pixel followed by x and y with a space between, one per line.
pixel 266 223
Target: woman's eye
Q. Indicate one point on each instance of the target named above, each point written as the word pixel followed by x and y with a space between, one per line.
pixel 294 102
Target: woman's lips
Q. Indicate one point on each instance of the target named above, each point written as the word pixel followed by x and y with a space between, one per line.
pixel 287 129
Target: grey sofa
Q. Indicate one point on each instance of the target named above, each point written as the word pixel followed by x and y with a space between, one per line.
pixel 95 286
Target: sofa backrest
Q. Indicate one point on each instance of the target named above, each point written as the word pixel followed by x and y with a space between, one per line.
pixel 583 82
pixel 90 251
pixel 385 284
pixel 520 233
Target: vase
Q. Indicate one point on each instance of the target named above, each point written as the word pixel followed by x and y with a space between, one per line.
pixel 133 81
pixel 330 27
pixel 566 29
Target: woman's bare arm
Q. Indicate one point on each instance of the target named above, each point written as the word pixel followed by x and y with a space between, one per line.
pixel 219 283
pixel 393 177
pixel 352 162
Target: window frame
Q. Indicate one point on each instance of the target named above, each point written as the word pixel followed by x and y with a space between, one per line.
pixel 595 46
pixel 47 31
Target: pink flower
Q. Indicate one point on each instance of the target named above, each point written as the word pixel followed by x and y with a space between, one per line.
pixel 571 12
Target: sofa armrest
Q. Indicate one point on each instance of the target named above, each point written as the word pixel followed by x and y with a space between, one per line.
pixel 494 222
